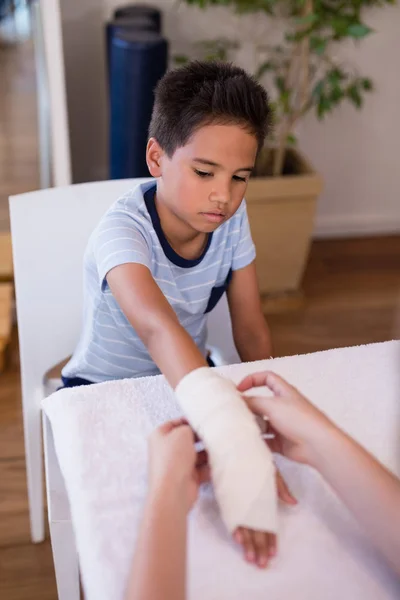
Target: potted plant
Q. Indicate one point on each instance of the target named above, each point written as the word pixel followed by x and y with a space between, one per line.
pixel 302 76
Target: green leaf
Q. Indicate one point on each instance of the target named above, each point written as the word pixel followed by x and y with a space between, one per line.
pixel 180 59
pixel 318 44
pixel 307 19
pixel 291 140
pixel 284 100
pixel 336 95
pixel 358 30
pixel 280 83
pixel 335 76
pixel 353 93
pixel 367 84
pixel 264 68
pixel 294 37
pixel 274 112
pixel 324 105
pixel 318 88
pixel 340 26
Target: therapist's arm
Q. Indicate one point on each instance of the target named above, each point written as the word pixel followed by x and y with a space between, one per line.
pixel 159 565
pixel 158 571
pixel 368 489
pixel 304 434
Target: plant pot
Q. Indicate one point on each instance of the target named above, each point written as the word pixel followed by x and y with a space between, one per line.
pixel 281 213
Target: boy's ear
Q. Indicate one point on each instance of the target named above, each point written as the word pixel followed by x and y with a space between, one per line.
pixel 154 154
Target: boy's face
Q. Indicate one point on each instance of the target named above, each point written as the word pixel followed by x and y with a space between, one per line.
pixel 204 182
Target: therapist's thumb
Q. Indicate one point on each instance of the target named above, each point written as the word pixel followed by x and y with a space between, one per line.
pixel 268 379
pixel 263 405
pixel 278 385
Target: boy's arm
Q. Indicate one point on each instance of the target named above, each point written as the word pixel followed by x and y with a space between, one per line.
pixel 155 322
pixel 250 330
pixel 176 355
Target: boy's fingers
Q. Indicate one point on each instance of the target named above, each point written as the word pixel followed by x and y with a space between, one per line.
pixel 238 536
pixel 248 545
pixel 261 543
pixel 283 491
pixel 273 545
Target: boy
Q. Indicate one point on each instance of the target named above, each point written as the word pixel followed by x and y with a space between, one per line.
pixel 164 254
pixel 162 257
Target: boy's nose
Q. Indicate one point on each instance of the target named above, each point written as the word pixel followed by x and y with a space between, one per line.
pixel 220 196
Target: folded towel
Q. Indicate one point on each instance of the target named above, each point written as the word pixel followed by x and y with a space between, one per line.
pixel 100 437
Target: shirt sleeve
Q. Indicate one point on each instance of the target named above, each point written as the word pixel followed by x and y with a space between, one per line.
pixel 244 252
pixel 119 239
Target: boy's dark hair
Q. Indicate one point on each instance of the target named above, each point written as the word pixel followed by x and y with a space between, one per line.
pixel 205 93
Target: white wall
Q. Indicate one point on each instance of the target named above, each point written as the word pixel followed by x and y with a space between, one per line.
pixel 358 151
pixel 354 151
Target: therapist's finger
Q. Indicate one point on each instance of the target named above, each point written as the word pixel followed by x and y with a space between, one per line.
pixel 253 380
pixel 201 458
pixel 274 382
pixel 259 405
pixel 203 474
pixel 169 426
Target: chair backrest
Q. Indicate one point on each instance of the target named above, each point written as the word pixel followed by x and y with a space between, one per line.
pixel 50 229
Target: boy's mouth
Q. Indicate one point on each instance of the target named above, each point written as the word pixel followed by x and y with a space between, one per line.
pixel 214 217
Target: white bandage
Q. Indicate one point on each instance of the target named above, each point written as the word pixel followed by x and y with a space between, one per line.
pixel 242 468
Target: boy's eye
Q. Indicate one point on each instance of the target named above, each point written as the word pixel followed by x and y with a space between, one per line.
pixel 202 173
pixel 237 178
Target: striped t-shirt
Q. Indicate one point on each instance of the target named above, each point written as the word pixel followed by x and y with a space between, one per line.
pixel 130 232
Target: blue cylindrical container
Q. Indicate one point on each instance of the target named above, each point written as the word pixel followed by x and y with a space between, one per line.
pixel 133 11
pixel 138 59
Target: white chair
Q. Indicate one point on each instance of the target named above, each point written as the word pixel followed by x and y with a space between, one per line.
pixel 50 229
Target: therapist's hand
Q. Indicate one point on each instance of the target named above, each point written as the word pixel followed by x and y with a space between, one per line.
pixel 175 466
pixel 297 424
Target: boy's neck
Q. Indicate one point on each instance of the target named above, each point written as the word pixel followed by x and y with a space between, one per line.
pixel 186 241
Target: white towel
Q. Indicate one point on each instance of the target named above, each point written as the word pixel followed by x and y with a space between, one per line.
pixel 100 436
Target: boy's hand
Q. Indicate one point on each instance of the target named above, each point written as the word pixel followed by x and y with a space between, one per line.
pixel 296 423
pixel 259 547
pixel 174 463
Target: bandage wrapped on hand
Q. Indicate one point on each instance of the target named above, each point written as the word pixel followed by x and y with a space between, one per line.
pixel 242 468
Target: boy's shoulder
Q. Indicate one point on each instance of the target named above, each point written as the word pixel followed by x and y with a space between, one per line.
pixel 129 210
pixel 132 202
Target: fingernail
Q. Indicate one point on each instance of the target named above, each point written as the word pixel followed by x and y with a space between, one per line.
pixel 250 556
pixel 238 537
pixel 262 562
